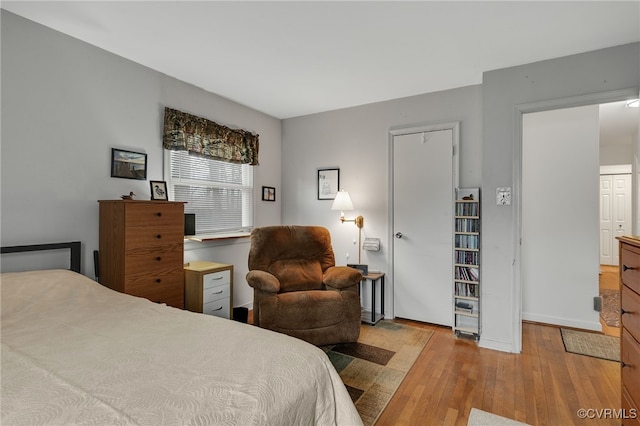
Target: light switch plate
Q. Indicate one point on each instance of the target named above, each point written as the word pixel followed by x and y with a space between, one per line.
pixel 503 196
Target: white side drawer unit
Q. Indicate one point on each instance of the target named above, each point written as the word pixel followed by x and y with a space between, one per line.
pixel 209 288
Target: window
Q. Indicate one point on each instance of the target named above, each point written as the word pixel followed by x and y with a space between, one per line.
pixel 219 193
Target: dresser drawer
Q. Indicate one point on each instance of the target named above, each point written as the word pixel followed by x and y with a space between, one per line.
pixel 630 355
pixel 216 278
pixel 630 303
pixel 210 294
pixel 630 267
pixel 219 308
pixel 154 262
pixel 157 215
pixel 631 415
pixel 142 237
pixel 167 288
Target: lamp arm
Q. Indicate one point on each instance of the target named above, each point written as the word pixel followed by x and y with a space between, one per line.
pixel 359 221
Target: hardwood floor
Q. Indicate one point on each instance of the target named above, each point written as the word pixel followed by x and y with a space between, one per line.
pixel 609 277
pixel 544 385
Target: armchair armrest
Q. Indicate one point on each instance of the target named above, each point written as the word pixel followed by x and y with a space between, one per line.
pixel 264 281
pixel 340 277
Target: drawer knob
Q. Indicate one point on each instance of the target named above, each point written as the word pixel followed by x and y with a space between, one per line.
pixel 158 236
pixel 158 258
pixel 622 312
pixel 625 267
pixel 218 292
pixel 158 280
pixel 623 364
pixel 219 309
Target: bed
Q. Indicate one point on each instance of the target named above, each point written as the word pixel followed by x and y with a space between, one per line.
pixel 76 352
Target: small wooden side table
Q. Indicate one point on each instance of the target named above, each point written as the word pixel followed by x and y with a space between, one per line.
pixel 371 316
pixel 208 288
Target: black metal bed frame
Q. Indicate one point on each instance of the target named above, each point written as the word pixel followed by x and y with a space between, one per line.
pixel 73 246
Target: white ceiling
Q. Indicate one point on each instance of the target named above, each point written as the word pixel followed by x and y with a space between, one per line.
pixel 293 58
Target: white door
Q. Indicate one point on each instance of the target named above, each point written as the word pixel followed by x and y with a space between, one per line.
pixel 621 211
pixel 424 177
pixel 615 215
pixel 606 221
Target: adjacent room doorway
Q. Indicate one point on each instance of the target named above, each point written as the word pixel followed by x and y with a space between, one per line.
pixel 424 175
pixel 568 223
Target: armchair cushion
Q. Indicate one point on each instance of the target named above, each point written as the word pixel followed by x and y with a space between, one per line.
pixel 297 274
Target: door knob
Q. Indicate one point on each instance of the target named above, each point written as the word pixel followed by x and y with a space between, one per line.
pixel 398 235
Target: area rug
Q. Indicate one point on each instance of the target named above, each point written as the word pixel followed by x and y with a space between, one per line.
pixel 482 418
pixel 610 312
pixel 373 367
pixel 591 344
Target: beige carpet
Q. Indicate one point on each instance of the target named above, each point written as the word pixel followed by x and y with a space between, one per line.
pixel 591 344
pixel 373 368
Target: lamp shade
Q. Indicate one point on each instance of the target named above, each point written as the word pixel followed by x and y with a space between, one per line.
pixel 342 201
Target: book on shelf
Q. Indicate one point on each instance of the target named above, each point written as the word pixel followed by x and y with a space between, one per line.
pixel 466 289
pixel 467 209
pixel 473 274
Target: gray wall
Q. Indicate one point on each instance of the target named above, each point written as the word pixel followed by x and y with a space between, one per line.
pixel 594 77
pixel 357 141
pixel 65 104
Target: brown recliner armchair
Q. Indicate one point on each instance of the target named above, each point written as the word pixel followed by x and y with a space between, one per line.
pixel 298 290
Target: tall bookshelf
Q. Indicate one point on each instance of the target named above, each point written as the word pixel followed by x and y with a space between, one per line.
pixel 466 274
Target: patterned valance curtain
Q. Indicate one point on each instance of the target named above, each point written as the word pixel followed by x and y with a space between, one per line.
pixel 199 136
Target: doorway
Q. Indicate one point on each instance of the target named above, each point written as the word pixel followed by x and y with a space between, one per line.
pixel 560 169
pixel 424 175
pixel 561 256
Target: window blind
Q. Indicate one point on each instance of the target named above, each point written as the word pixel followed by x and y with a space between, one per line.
pixel 219 193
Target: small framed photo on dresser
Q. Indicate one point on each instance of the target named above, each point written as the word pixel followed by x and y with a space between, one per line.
pixel 158 190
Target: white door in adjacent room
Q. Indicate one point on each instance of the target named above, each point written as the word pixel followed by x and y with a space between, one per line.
pixel 424 177
pixel 615 214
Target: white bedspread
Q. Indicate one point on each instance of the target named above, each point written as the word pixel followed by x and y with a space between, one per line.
pixel 75 352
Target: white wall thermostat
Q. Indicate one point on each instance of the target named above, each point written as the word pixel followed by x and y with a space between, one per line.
pixel 503 196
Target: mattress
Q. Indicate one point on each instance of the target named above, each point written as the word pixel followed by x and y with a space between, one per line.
pixel 75 352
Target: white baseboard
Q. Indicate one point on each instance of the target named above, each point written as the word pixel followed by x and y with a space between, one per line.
pixel 496 345
pixel 564 322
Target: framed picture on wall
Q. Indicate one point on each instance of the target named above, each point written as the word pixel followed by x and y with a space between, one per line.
pixel 328 183
pixel 128 164
pixel 268 193
pixel 158 190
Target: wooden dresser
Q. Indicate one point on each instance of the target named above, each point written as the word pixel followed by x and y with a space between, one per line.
pixel 630 336
pixel 141 249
